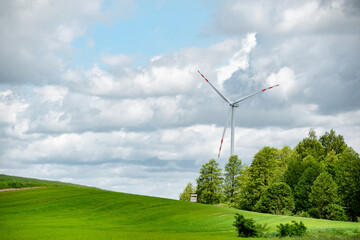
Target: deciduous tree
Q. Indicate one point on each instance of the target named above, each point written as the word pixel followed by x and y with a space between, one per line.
pixel 209 183
pixel 276 199
pixel 259 176
pixel 185 195
pixel 323 192
pixel 348 180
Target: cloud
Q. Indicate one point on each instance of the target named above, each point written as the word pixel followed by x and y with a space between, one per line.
pixel 36 33
pixel 287 18
pixel 239 60
pixel 148 129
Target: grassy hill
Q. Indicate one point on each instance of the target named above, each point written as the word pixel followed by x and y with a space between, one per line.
pixel 73 212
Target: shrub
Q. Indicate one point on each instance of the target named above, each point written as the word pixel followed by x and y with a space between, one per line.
pixel 335 212
pixel 246 227
pixel 276 199
pixel 4 185
pixel 294 229
pixel 314 212
pixel 303 214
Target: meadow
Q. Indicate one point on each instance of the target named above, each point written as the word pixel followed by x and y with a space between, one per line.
pixel 67 211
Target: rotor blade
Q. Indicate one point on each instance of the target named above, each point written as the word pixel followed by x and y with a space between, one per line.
pixel 221 95
pixel 223 135
pixel 253 94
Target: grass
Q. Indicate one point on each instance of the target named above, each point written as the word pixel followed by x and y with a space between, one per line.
pixel 7 181
pixel 75 212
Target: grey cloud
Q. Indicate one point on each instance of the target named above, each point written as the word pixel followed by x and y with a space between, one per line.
pixel 149 129
pixel 287 17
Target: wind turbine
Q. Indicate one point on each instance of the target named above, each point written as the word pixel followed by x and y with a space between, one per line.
pixel 233 105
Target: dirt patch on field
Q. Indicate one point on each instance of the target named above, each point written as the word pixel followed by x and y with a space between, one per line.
pixel 224 215
pixel 16 189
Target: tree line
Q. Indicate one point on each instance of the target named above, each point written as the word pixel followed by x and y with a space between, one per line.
pixel 319 177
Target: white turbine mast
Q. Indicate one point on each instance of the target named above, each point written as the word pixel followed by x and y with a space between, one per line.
pixel 232 105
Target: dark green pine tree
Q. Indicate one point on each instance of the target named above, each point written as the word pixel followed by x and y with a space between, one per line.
pixel 209 183
pixel 233 171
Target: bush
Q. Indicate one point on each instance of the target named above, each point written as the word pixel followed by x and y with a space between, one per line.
pixel 335 212
pixel 302 214
pixel 276 199
pixel 314 213
pixel 4 185
pixel 246 227
pixel 294 229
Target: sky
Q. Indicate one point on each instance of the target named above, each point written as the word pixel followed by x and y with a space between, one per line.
pixel 107 93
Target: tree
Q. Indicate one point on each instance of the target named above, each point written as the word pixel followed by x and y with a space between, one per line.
pixel 233 171
pixel 294 170
pixel 246 227
pixel 335 212
pixel 276 199
pixel 303 187
pixel 259 176
pixel 310 146
pixel 185 195
pixel 209 183
pixel 348 180
pixel 323 192
pixel 329 163
pixel 332 142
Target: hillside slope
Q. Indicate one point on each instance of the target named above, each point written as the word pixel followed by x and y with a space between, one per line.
pixel 65 212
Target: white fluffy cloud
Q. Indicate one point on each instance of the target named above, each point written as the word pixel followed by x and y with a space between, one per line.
pixel 148 129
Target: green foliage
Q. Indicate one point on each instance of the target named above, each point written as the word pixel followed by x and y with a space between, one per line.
pixel 185 195
pixel 246 227
pixel 310 146
pixel 303 187
pixel 294 170
pixel 323 192
pixel 276 199
pixel 259 176
pixel 314 212
pixel 233 171
pixel 7 181
pixel 335 212
pixel 348 180
pixel 332 142
pixel 294 229
pixel 209 183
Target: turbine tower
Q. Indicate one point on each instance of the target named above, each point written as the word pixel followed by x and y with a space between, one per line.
pixel 232 105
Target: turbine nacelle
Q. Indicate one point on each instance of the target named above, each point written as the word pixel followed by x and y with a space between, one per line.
pixel 233 105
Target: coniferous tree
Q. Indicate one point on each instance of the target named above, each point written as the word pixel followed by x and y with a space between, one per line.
pixel 209 183
pixel 233 172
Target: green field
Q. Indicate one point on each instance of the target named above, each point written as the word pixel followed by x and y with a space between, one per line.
pixel 75 212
